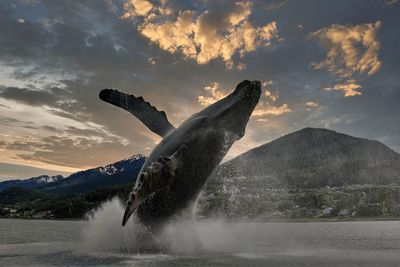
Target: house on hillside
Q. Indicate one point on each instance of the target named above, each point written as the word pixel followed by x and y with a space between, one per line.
pixel 344 212
pixel 4 211
pixel 312 212
pixel 327 211
pixel 43 215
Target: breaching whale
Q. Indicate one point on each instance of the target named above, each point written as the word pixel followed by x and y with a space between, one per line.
pixel 180 164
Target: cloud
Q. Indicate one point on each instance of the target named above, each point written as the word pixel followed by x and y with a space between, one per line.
pixel 271 110
pixel 391 2
pixel 276 5
pixel 202 36
pixel 28 96
pixel 351 50
pixel 311 104
pixel 263 109
pixel 50 151
pixel 273 96
pixel 135 8
pixel 29 131
pixel 215 94
pixel 241 66
pixel 349 88
pixel 151 60
pixel 84 46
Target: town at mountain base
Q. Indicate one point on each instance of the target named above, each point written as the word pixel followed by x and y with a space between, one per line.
pixel 311 173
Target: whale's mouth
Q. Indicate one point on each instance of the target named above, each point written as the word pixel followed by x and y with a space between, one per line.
pixel 245 97
pixel 239 105
pixel 248 89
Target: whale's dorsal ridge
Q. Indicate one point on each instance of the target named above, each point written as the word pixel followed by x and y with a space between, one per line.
pixel 154 119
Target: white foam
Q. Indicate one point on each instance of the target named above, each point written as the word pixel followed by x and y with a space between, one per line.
pixel 105 233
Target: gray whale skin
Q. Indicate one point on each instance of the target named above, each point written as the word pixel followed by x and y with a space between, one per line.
pixel 180 164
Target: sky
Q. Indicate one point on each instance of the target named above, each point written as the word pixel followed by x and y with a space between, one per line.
pixel 322 63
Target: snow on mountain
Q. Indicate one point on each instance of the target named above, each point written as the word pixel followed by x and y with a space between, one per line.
pixel 32 183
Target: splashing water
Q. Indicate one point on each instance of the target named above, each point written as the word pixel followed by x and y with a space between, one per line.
pixel 105 233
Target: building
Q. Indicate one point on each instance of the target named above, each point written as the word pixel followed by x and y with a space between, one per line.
pixel 327 211
pixel 312 212
pixel 344 212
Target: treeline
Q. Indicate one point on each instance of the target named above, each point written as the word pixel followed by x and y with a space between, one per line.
pixel 235 198
pixel 248 198
pixel 66 206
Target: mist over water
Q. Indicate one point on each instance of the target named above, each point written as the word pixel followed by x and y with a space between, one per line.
pixel 102 241
pixel 215 242
pixel 105 233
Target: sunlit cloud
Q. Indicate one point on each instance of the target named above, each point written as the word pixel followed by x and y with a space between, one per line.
pixel 135 8
pixel 311 104
pixel 201 36
pixel 268 93
pixel 241 66
pixel 349 88
pixel 214 92
pixel 264 108
pixel 271 110
pixel 351 50
pixel 37 135
pixel 151 60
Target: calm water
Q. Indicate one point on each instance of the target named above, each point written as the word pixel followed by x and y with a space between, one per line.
pixel 103 242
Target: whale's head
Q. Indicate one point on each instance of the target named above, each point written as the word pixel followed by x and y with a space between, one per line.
pixel 233 112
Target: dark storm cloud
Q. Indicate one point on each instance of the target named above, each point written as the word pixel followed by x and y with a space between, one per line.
pixel 52 129
pixel 20 41
pixel 6 120
pixel 28 96
pixel 12 121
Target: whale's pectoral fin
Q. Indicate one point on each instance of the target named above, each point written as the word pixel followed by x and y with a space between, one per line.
pixel 160 174
pixel 132 204
pixel 154 119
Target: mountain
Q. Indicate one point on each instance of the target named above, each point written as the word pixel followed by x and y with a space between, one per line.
pixel 12 195
pixel 315 158
pixel 307 169
pixel 309 158
pixel 31 183
pixel 121 172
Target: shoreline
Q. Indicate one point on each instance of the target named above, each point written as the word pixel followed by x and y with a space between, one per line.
pixel 334 219
pixel 298 220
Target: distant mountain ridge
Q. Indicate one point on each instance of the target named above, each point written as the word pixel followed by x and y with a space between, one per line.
pixel 314 158
pixel 31 183
pixel 309 158
pixel 120 172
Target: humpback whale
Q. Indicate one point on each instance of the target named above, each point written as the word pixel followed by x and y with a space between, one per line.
pixel 178 167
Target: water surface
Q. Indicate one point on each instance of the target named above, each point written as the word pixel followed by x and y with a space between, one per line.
pixel 103 242
pixel 60 243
